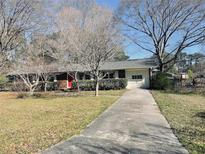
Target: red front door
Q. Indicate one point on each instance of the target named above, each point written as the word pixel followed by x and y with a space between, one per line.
pixel 70 83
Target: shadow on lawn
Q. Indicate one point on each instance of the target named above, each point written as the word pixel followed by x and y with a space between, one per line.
pixel 201 115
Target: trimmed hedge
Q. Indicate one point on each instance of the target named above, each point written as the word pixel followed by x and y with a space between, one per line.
pixel 3 81
pixel 51 86
pixel 87 85
pixel 104 84
pixel 7 87
pixel 20 86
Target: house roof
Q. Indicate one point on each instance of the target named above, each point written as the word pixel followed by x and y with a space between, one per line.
pixel 114 65
pixel 129 64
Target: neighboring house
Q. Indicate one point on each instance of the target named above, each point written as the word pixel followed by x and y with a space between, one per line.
pixel 137 72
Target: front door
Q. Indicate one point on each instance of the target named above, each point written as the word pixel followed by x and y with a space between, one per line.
pixel 70 83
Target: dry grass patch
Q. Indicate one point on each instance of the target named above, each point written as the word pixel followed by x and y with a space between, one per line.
pixel 30 125
pixel 186 115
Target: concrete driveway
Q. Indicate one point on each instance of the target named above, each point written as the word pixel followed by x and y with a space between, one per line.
pixel 133 124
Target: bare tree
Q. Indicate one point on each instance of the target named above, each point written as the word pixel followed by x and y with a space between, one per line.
pixel 86 38
pixel 66 46
pixel 69 25
pixel 101 41
pixel 164 27
pixel 15 20
pixel 41 49
pixel 28 67
pixel 46 72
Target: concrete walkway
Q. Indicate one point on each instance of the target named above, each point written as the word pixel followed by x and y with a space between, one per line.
pixel 133 124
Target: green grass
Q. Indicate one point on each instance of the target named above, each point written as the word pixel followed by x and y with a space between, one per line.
pixel 186 115
pixel 31 125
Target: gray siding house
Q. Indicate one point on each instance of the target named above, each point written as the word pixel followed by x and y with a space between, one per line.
pixel 137 72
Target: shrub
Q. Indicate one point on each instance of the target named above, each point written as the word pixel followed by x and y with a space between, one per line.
pixel 162 82
pixel 17 86
pixel 3 81
pixel 22 95
pixel 104 84
pixel 190 74
pixel 20 86
pixel 37 95
pixel 51 86
pixel 108 84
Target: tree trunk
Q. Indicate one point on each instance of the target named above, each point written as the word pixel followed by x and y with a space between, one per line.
pixel 78 87
pixel 45 87
pixel 31 91
pixel 160 61
pixel 161 67
pixel 76 80
pixel 97 86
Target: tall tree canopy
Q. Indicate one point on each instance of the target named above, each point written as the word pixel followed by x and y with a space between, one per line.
pixel 16 18
pixel 86 38
pixel 164 27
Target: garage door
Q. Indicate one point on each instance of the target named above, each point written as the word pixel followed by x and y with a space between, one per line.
pixel 136 81
pixel 136 78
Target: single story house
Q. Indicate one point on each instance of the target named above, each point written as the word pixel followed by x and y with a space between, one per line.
pixel 137 71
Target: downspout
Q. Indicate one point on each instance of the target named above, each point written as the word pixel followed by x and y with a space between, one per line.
pixel 150 78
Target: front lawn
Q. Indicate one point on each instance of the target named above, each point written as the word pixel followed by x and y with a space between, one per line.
pixel 30 125
pixel 186 115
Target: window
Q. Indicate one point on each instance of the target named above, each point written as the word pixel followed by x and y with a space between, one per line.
pixel 81 76
pixel 121 73
pixel 136 77
pixel 111 75
pixel 108 75
pixel 62 76
pixel 87 77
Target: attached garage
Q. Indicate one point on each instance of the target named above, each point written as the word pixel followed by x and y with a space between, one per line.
pixel 136 71
pixel 138 78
